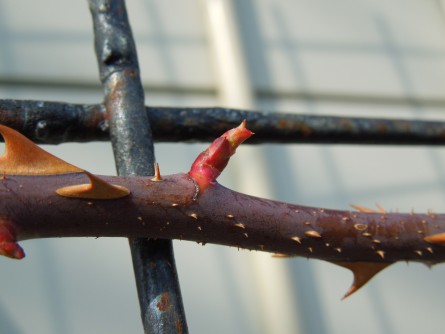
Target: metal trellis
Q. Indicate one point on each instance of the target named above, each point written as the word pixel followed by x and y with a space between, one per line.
pixel 132 128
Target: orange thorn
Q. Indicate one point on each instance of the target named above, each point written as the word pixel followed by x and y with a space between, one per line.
pixel 438 238
pixel 157 173
pixel 363 272
pixel 362 208
pixel 313 234
pixel 297 239
pixel 280 255
pixel 380 253
pixel 23 157
pixel 380 208
pixel 96 189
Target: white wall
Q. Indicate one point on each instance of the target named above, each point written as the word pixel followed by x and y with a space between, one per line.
pixel 356 58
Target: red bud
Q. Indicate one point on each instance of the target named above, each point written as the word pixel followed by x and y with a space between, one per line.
pixel 210 163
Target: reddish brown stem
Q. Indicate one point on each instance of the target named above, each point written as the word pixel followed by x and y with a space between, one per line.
pixel 173 209
pixel 71 202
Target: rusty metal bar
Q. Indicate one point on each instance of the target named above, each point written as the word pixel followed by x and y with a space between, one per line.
pixel 56 122
pixel 154 266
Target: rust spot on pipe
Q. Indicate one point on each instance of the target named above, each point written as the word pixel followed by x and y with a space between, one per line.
pixel 178 327
pixel 164 303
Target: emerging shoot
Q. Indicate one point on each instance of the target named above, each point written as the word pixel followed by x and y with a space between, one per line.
pixel 210 163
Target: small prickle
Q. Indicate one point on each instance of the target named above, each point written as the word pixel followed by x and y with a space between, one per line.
pixel 313 234
pixel 380 253
pixel 157 176
pixel 418 252
pixel 297 239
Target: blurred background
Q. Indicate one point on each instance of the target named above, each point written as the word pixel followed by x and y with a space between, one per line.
pixel 371 58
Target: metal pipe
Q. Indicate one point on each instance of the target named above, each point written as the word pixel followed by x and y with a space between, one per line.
pixel 55 122
pixel 153 261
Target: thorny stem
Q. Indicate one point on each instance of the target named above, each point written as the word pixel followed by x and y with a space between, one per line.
pixel 195 207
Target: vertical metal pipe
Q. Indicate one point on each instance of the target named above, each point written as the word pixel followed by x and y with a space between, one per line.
pixel 154 266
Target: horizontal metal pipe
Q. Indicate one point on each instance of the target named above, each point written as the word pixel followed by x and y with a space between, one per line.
pixel 56 122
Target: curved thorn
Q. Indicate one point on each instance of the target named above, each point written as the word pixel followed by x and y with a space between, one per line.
pixel 96 189
pixel 363 272
pixel 23 157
